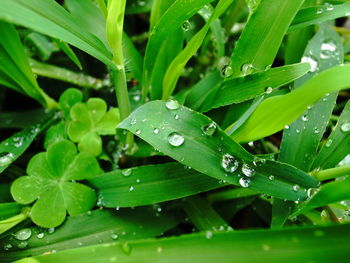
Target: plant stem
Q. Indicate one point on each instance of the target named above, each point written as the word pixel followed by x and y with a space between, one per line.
pixel 332 173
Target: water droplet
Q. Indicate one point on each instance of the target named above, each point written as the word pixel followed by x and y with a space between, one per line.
pixel 316 130
pixel 329 143
pixel 176 116
pixel 23 234
pixel 156 131
pixel 312 61
pixel 138 180
pixel 297 131
pixel 133 122
pixel 6 158
pixel 271 177
pixel 7 247
pixel 329 7
pixel 175 139
pixel 296 187
pixel 131 188
pixel 286 127
pixel 208 234
pixel 247 69
pixel 126 248
pixel 138 132
pixel 51 230
pixel 22 244
pixel 311 192
pixel 40 235
pixel 229 163
pixel 319 10
pixel 159 249
pixel 227 71
pixel 172 104
pixel 248 170
pixel 268 90
pixel 244 182
pixel 209 129
pixel 114 236
pixel 305 118
pixel 327 49
pixel 127 172
pixel 345 127
pixel 186 25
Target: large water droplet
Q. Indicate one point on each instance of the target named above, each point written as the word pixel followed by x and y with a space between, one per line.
pixel 172 104
pixel 227 71
pixel 209 129
pixel 247 69
pixel 186 25
pixel 175 139
pixel 6 158
pixel 312 61
pixel 127 172
pixel 23 234
pixel 229 163
pixel 327 49
pixel 248 170
pixel 345 127
pixel 244 182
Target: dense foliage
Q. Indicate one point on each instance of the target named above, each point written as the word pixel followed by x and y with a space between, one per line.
pixel 174 130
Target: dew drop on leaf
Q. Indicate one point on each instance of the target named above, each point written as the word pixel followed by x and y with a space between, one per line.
pixel 329 7
pixel 248 170
pixel 345 127
pixel 208 234
pixel 40 235
pixel 172 104
pixel 312 61
pixel 319 11
pixel 327 49
pixel 175 139
pixel 229 163
pixel 176 117
pixel 271 177
pixel 22 244
pixel 268 90
pixel 133 122
pixel 6 158
pixel 296 187
pixel 244 182
pixel 329 143
pixel 138 131
pixel 227 71
pixel 247 69
pixel 186 26
pixel 156 131
pixel 114 236
pixel 131 188
pixel 127 172
pixel 209 129
pixel 23 234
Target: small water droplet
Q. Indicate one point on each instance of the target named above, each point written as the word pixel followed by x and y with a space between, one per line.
pixel 319 10
pixel 268 90
pixel 208 234
pixel 247 69
pixel 40 235
pixel 131 188
pixel 227 71
pixel 172 104
pixel 312 61
pixel 155 131
pixel 127 172
pixel 329 7
pixel 286 127
pixel 22 244
pixel 209 129
pixel 327 49
pixel 114 236
pixel 176 116
pixel 7 247
pixel 345 127
pixel 175 139
pixel 305 118
pixel 248 170
pixel 23 234
pixel 186 26
pixel 296 187
pixel 6 158
pixel 297 131
pixel 311 192
pixel 271 177
pixel 244 182
pixel 229 163
pixel 138 131
pixel 133 122
pixel 316 130
pixel 329 143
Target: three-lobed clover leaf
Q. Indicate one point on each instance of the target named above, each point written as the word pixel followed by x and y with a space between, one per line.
pixel 90 120
pixel 51 183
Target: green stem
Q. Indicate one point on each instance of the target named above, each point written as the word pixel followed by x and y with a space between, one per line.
pixel 54 72
pixel 121 90
pixel 332 173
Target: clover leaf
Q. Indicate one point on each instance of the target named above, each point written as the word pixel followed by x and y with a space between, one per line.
pixel 89 121
pixel 51 184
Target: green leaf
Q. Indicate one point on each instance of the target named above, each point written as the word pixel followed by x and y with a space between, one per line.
pixel 171 20
pixel 21 119
pixel 47 178
pixel 304 244
pixel 194 140
pixel 89 121
pixel 150 184
pixel 178 64
pixel 329 193
pixel 248 87
pixel 337 145
pixel 300 141
pixel 268 24
pixel 14 146
pixel 9 209
pixel 276 112
pixel 8 223
pixel 15 66
pixel 318 14
pixel 50 18
pixel 100 226
pixel 68 99
pixel 69 52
